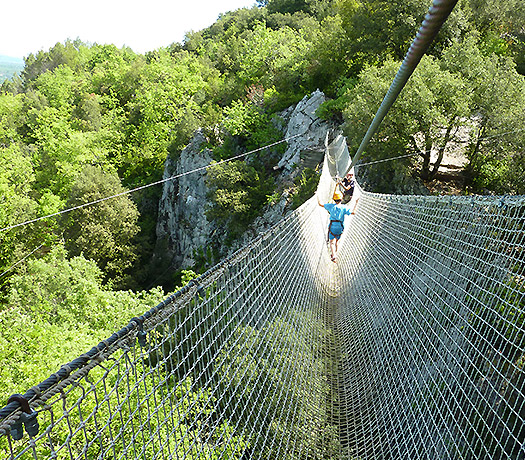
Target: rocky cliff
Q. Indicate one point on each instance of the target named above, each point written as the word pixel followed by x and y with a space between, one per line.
pixel 184 234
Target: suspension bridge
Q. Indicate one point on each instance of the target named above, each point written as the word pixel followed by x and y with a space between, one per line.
pixel 410 347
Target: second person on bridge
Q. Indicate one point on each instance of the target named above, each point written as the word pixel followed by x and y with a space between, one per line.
pixel 337 213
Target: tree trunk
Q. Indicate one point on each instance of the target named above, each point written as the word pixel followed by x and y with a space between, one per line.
pixel 425 168
pixel 442 149
pixel 472 152
pixel 475 147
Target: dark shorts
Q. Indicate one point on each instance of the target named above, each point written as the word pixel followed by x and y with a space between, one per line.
pixel 348 196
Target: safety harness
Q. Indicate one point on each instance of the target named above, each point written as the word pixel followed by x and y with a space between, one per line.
pixel 330 229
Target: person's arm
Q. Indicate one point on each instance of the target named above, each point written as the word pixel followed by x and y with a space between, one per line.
pixel 319 202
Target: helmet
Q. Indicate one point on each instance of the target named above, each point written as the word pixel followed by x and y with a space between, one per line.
pixel 338 196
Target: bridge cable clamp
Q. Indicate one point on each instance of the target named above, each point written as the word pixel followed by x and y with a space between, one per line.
pixel 141 334
pixel 201 291
pixel 28 418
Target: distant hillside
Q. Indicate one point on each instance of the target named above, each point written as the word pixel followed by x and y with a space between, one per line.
pixel 10 66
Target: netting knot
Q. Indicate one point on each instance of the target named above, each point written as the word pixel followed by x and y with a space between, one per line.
pixel 36 390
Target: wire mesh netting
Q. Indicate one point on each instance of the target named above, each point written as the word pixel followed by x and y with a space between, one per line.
pixel 234 366
pixel 431 326
pixel 410 347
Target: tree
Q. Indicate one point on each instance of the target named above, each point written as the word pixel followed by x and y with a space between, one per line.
pixel 502 16
pixel 56 310
pixel 286 6
pixel 495 152
pixel 274 59
pixel 424 119
pixel 379 29
pixel 171 101
pixel 60 55
pixel 102 232
pixel 17 205
pixel 238 193
pixel 328 62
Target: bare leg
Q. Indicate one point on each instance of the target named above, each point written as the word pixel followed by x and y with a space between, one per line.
pixel 355 205
pixel 332 252
pixel 332 249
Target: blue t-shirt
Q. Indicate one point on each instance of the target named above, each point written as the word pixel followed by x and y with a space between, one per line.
pixel 337 211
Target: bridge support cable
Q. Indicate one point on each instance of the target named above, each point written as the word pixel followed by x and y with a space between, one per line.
pixel 436 16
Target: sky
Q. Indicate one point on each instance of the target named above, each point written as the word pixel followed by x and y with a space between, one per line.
pixel 32 25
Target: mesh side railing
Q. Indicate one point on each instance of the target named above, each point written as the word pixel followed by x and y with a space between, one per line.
pixel 237 365
pixel 431 328
pixel 410 347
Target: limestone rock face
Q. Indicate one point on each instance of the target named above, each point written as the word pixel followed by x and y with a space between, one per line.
pixel 308 132
pixel 183 230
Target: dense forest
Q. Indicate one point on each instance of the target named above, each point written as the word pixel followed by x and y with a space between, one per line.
pixel 83 122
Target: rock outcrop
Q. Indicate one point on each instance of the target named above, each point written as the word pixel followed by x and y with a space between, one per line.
pixel 183 231
pixel 307 133
pixel 182 227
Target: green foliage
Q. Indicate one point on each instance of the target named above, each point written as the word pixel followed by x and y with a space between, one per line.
pixel 17 205
pixel 433 104
pixel 273 58
pixel 103 232
pixel 240 118
pixel 250 127
pixel 205 258
pixel 56 310
pixel 490 16
pixel 186 277
pixel 273 198
pixel 378 29
pixel 495 152
pixel 239 189
pixel 171 100
pixel 66 54
pixel 247 51
pixel 264 355
pixel 286 6
pixel 333 108
pixel 11 117
pixel 238 193
pixel 77 106
pixel 305 186
pixel 498 318
pixel 317 8
pixel 329 63
pixel 502 320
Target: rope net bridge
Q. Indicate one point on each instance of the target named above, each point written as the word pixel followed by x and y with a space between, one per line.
pixel 411 347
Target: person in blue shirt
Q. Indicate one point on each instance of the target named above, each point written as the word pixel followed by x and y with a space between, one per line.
pixel 337 213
